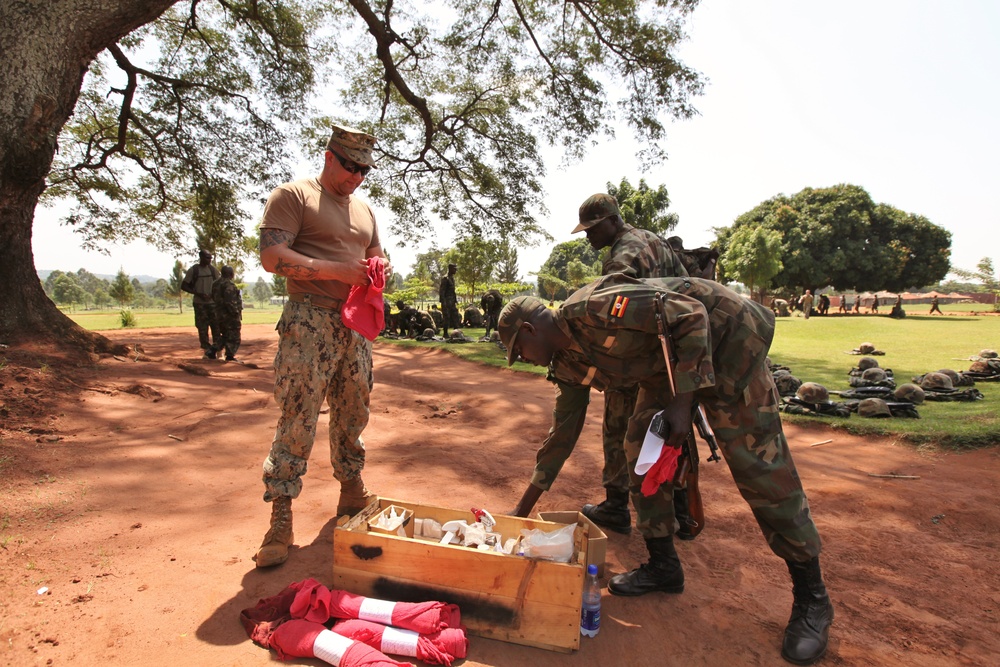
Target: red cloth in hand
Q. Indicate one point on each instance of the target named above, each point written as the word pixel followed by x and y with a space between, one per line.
pixel 296 638
pixel 315 602
pixel 363 311
pixel 261 620
pixel 665 468
pixel 439 648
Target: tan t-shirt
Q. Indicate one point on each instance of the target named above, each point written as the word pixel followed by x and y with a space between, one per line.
pixel 326 226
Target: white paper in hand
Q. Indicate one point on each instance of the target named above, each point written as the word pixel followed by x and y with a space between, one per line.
pixel 652 445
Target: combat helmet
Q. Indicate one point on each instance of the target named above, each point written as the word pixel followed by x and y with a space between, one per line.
pixel 864 363
pixel 874 374
pixel 952 375
pixel 456 335
pixel 980 367
pixel 495 337
pixel 937 382
pixel 866 348
pixel 812 392
pixel 909 392
pixel 988 354
pixel 429 333
pixel 786 383
pixel 873 407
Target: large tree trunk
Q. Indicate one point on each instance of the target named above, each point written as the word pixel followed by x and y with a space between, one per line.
pixel 47 48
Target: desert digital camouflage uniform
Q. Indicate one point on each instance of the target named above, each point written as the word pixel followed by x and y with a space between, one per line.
pixel 720 341
pixel 319 359
pixel 641 254
pixel 228 315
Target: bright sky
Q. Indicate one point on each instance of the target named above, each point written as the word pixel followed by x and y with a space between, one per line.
pixel 899 97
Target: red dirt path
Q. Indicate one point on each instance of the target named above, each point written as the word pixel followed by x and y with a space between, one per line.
pixel 131 490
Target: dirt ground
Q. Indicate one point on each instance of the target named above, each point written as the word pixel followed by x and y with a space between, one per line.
pixel 130 507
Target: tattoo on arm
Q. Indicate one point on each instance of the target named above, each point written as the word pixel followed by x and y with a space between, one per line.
pixel 270 237
pixel 291 270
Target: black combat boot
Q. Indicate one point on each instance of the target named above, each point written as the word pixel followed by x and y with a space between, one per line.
pixel 663 572
pixel 612 514
pixel 812 613
pixel 683 515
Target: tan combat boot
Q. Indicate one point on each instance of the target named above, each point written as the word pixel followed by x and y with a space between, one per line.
pixel 274 549
pixel 354 497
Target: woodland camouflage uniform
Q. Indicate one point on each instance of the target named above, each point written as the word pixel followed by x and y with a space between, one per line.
pixel 228 315
pixel 720 341
pixel 640 254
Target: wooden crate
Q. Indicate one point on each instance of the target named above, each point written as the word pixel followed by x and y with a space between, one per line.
pixel 510 598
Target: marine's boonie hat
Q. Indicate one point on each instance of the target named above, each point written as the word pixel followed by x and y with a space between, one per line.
pixel 595 209
pixel 353 144
pixel 513 315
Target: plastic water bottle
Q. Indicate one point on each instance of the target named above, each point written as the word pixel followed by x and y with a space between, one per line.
pixel 590 615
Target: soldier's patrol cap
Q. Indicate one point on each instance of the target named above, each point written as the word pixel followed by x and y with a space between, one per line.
pixel 595 209
pixel 453 266
pixel 513 315
pixel 353 144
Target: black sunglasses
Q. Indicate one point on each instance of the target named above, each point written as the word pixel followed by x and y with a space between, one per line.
pixel 352 167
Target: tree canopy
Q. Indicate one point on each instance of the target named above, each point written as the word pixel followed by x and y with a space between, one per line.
pixel 839 237
pixel 554 279
pixel 644 207
pixel 186 109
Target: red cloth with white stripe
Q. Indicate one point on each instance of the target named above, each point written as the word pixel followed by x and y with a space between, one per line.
pixel 315 602
pixel 363 311
pixel 295 639
pixel 439 648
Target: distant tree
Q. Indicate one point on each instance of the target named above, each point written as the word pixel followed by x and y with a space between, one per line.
pixel 101 297
pixel 644 207
pixel 838 236
pixel 984 273
pixel 579 274
pixel 429 267
pixel 474 257
pixel 67 290
pixel 278 286
pixel 50 281
pixel 506 270
pixel 122 289
pixel 261 291
pixel 752 258
pixel 174 290
pixel 551 285
pixel 560 257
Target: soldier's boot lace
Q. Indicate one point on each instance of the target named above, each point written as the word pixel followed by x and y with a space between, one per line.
pixel 274 549
pixel 812 614
pixel 682 513
pixel 663 572
pixel 613 513
pixel 354 497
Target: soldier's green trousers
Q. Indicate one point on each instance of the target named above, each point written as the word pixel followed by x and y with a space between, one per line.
pixel 567 421
pixel 318 359
pixel 204 321
pixel 753 444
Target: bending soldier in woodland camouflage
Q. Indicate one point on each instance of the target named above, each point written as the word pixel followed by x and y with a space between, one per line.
pixel 605 336
pixel 641 254
pixel 492 304
pixel 228 313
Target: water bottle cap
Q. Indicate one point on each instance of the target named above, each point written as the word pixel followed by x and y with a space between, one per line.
pixel 592 569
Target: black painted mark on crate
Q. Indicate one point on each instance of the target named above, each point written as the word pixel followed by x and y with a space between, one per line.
pixel 365 552
pixel 472 606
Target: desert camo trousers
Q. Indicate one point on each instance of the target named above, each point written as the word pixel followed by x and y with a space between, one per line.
pixel 318 359
pixel 753 445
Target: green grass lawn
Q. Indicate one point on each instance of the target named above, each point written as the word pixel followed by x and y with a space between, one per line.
pixel 815 350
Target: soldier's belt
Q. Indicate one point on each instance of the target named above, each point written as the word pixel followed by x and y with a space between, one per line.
pixel 317 300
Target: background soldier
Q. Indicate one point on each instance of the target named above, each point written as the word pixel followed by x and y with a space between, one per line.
pixel 228 312
pixel 198 281
pixel 492 304
pixel 449 300
pixel 935 308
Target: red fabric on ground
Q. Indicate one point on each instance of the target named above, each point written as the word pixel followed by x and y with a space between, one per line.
pixel 363 311
pixel 261 620
pixel 664 469
pixel 315 602
pixel 295 639
pixel 440 648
